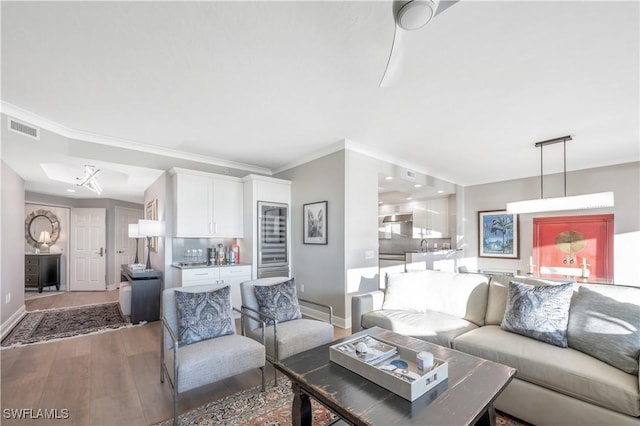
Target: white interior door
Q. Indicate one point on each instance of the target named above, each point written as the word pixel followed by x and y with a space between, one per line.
pixel 125 247
pixel 88 250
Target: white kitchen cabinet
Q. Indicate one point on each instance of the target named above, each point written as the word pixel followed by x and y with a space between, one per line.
pixel 227 208
pixel 232 275
pixel 207 205
pixel 193 205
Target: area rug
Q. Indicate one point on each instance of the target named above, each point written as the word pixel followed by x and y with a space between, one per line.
pixel 269 408
pixel 54 324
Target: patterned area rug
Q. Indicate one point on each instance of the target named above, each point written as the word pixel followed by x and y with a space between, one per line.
pixel 53 324
pixel 269 408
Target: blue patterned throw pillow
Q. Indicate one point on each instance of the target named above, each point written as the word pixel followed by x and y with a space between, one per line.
pixel 203 316
pixel 539 312
pixel 279 301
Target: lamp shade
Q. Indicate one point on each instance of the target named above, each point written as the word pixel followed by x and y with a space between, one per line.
pixel 576 202
pixel 133 231
pixel 45 237
pixel 151 228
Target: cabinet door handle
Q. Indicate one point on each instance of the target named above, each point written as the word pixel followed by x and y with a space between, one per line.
pixel 202 273
pixel 210 228
pixel 215 227
pixel 101 252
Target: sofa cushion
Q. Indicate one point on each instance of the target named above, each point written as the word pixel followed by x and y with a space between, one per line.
pixel 294 336
pixel 607 326
pixel 567 371
pixel 233 354
pixel 540 312
pixel 203 316
pixel 406 291
pixel 434 327
pixel 497 299
pixel 279 301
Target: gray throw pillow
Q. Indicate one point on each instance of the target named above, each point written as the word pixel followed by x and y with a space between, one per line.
pixel 279 301
pixel 539 312
pixel 203 316
pixel 606 328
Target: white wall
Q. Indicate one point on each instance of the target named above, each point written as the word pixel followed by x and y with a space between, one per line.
pixel 361 226
pixel 11 247
pixel 622 179
pixel 62 243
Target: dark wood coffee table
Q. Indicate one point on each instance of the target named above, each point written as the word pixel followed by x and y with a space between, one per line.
pixel 465 398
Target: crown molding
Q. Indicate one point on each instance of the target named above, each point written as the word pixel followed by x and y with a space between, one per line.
pixel 52 126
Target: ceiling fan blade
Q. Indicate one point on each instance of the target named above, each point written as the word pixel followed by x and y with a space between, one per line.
pixel 393 43
pixel 444 5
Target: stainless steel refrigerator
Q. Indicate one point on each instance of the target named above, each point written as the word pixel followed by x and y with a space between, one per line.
pixel 273 244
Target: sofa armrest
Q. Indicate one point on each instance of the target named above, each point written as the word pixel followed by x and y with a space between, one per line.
pixel 363 303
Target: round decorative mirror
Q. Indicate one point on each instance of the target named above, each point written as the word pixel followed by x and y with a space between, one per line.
pixel 41 221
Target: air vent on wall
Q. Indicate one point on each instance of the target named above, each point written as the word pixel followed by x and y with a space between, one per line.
pixel 408 174
pixel 24 129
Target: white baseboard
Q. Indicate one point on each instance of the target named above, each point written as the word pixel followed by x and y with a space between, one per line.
pixel 8 325
pixel 113 286
pixel 324 316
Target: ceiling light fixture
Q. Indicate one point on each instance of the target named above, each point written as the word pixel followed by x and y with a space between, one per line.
pixel 417 185
pixel 415 14
pixel 89 180
pixel 576 202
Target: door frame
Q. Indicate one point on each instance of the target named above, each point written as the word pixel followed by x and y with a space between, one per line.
pixel 116 267
pixel 606 218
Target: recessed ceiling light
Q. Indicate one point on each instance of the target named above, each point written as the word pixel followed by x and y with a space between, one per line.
pixel 417 185
pixel 409 198
pixel 380 202
pixel 440 191
pixel 71 190
pixel 389 178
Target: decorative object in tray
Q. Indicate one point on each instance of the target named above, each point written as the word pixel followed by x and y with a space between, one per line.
pixel 395 368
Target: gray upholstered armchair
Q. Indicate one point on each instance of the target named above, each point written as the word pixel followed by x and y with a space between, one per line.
pixel 284 337
pixel 191 355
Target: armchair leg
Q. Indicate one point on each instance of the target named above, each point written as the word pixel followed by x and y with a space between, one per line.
pixel 262 374
pixel 175 408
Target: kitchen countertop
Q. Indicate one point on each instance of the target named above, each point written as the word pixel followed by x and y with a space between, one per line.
pixel 205 266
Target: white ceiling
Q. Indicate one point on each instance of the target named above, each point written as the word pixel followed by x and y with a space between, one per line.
pixel 267 83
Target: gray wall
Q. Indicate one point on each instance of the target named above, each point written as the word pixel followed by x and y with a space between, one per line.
pixel 11 243
pixel 162 191
pixel 622 179
pixel 108 204
pixel 348 264
pixel 320 268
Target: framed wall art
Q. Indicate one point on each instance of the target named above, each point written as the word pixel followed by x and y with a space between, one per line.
pixel 498 234
pixel 314 219
pixel 151 213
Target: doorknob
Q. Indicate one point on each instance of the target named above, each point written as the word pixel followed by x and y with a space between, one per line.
pixel 101 253
pixel 120 251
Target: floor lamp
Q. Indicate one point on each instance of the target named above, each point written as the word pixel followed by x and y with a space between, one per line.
pixel 150 229
pixel 133 233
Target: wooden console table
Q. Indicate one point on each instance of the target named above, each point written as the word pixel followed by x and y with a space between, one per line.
pixel 146 287
pixel 42 270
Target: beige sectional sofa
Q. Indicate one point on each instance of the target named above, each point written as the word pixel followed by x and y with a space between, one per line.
pixel 554 385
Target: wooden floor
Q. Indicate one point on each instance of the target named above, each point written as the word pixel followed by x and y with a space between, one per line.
pixel 104 379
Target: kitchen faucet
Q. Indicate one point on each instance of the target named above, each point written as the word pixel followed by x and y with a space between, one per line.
pixel 424 240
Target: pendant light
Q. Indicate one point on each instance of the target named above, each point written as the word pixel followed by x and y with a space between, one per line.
pixel 576 202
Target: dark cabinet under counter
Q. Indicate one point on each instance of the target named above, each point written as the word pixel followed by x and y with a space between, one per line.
pixel 146 290
pixel 42 270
